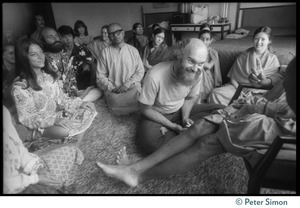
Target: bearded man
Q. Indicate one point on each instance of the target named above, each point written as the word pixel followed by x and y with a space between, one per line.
pixel 66 66
pixel 169 92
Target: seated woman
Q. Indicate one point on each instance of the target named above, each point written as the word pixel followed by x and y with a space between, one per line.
pixel 138 40
pixel 97 45
pixel 82 36
pixel 41 104
pixel 156 50
pixel 246 131
pixel 27 173
pixel 211 75
pixel 257 58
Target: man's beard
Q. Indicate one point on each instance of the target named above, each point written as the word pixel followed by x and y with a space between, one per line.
pixel 55 47
pixel 183 76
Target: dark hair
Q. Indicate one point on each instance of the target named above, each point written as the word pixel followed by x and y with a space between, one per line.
pixel 37 14
pixel 264 29
pixel 78 24
pixel 65 30
pixel 155 32
pixel 268 31
pixel 105 26
pixel 135 25
pixel 204 28
pixel 24 69
pixel 154 26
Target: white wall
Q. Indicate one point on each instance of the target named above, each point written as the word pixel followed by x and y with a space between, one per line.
pixel 95 15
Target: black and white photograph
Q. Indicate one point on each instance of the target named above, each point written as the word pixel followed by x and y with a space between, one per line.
pixel 149 98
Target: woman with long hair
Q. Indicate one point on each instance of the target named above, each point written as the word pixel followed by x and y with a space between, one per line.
pixel 82 36
pixel 41 104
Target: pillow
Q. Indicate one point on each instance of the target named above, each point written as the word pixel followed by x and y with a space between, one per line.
pixel 60 162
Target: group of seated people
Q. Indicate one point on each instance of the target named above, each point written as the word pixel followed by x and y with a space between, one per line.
pixel 51 85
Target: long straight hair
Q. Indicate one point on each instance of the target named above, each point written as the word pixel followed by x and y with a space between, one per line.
pixel 24 69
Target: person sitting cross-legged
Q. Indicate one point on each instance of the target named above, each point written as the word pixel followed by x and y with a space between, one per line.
pixel 66 64
pixel 168 95
pixel 119 73
pixel 245 128
pixel 84 66
pixel 41 104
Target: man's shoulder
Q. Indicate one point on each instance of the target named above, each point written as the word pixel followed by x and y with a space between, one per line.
pixel 131 47
pixel 160 69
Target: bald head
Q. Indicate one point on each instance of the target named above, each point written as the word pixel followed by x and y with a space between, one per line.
pixel 196 46
pixel 49 35
pixel 190 56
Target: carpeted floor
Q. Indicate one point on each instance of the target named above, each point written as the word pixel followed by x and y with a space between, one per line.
pixel 222 174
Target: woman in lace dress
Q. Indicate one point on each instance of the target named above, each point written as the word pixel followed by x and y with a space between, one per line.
pixel 41 104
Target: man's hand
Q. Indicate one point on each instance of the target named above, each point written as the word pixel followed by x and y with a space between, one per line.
pixel 178 128
pixel 122 89
pixel 187 122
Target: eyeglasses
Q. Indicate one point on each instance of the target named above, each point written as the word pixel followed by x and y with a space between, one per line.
pixel 117 33
pixel 139 28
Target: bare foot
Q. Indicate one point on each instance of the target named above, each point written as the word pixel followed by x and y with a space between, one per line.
pixel 122 157
pixel 121 172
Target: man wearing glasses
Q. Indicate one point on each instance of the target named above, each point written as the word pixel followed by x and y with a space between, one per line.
pixel 119 73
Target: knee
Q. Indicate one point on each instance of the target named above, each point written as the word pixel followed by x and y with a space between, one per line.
pixel 202 127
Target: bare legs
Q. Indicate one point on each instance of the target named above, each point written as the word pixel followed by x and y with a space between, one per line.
pixel 135 173
pixel 55 132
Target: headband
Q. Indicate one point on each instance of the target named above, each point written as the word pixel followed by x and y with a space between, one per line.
pixel 206 28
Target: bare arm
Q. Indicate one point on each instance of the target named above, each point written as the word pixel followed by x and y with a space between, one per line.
pixel 186 108
pixel 156 116
pixel 234 83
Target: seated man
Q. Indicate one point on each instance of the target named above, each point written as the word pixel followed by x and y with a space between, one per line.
pixel 169 92
pixel 67 64
pixel 247 131
pixel 119 73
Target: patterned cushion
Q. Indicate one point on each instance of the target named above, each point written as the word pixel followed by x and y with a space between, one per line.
pixel 60 162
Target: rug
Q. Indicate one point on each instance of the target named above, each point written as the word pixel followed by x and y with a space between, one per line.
pixel 219 175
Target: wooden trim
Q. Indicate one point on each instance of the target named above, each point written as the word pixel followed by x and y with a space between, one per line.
pixel 240 12
pixel 237 15
pixel 267 7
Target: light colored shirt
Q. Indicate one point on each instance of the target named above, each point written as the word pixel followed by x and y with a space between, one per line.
pixel 119 67
pixel 162 91
pixel 20 166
